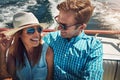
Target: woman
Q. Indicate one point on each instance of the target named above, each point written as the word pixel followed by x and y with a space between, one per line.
pixel 29 58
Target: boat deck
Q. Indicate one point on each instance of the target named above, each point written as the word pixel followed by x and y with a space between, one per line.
pixel 111 48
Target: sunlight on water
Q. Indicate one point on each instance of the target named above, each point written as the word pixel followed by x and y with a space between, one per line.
pixel 54 11
pixel 7 11
pixel 107 13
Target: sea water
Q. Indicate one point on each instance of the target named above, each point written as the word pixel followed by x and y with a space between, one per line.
pixel 106 14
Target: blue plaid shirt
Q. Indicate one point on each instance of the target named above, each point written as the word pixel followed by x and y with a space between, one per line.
pixel 77 59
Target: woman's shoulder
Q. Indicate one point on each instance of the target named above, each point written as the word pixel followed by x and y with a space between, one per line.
pixel 47 49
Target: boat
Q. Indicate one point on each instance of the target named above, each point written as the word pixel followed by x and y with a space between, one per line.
pixel 111 52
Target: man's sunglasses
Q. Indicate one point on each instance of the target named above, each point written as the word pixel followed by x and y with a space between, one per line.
pixel 64 26
pixel 32 30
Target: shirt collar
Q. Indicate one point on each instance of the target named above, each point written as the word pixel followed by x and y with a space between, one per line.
pixel 82 35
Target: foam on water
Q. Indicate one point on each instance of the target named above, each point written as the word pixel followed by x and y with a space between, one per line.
pixel 54 11
pixel 106 11
pixel 107 14
pixel 7 11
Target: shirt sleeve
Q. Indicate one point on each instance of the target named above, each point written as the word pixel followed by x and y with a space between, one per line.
pixel 46 38
pixel 93 69
pixel 50 38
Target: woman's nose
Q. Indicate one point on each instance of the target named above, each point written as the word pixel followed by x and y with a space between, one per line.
pixel 36 33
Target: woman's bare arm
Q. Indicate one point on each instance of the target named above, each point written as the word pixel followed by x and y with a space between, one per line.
pixel 49 58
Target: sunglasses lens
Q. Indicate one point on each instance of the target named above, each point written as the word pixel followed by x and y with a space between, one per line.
pixel 39 29
pixel 63 26
pixel 30 30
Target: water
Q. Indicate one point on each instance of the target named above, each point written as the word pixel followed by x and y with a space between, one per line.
pixel 41 9
pixel 106 14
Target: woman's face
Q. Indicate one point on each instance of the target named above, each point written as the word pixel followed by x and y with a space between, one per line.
pixel 31 36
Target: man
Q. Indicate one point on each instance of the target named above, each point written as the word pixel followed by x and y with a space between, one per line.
pixel 77 56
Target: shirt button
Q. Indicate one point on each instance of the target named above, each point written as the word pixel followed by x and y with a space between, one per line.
pixel 65 55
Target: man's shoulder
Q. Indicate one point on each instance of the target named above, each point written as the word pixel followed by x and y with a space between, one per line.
pixel 51 36
pixel 92 40
pixel 54 33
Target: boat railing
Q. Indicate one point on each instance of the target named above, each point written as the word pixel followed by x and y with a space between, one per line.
pixel 86 31
pixel 92 31
pixel 95 32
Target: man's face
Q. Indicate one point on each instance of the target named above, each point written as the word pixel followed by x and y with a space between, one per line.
pixel 67 24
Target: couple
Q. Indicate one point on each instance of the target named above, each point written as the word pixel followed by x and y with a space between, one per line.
pixel 71 54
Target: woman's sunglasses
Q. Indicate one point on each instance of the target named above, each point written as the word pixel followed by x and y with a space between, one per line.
pixel 32 30
pixel 64 26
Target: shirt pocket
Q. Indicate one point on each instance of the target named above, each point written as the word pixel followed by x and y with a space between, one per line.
pixel 40 73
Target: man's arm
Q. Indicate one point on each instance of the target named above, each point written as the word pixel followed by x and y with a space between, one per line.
pixel 49 59
pixel 93 69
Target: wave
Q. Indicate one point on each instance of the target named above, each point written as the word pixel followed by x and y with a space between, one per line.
pixel 45 10
pixel 7 10
pixel 107 14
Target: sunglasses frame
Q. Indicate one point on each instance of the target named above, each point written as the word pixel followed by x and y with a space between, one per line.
pixel 63 25
pixel 38 29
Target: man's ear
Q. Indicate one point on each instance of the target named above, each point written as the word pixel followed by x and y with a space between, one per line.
pixel 82 27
